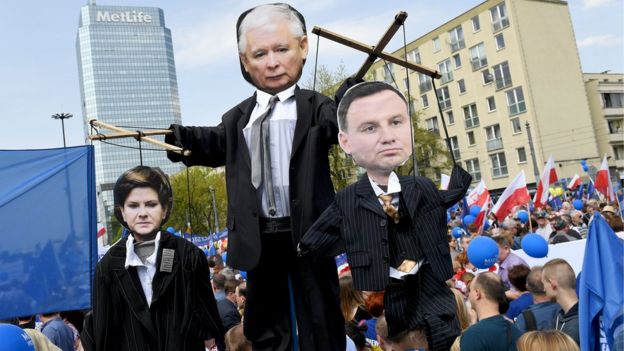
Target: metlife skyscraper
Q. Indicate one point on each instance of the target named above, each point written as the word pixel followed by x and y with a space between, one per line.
pixel 127 78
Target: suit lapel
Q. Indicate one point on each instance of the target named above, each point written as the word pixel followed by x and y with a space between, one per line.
pixel 366 196
pixel 411 194
pixel 305 109
pixel 244 111
pixel 132 293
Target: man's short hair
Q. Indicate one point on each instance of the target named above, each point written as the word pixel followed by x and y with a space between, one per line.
pixel 493 289
pixel 561 271
pixel 235 340
pixel 268 15
pixel 534 282
pixel 358 91
pixel 242 291
pixel 502 241
pixel 518 276
pixel 218 281
pixel 230 286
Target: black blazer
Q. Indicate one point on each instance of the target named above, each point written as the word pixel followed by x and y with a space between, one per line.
pixel 311 189
pixel 356 223
pixel 183 312
pixel 230 316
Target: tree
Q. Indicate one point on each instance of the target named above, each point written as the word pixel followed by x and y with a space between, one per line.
pixel 200 182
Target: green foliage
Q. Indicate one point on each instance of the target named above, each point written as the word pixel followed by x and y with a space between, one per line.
pixel 200 182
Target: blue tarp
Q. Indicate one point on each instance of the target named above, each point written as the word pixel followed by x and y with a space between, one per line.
pixel 48 218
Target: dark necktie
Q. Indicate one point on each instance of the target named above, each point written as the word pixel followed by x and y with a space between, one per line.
pixel 261 154
pixel 389 208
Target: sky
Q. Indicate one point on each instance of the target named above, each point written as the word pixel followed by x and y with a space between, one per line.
pixel 39 73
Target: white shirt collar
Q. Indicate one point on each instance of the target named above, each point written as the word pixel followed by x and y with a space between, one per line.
pixel 133 260
pixel 262 97
pixel 394 186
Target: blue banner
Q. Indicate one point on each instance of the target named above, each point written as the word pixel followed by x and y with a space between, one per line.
pixel 47 210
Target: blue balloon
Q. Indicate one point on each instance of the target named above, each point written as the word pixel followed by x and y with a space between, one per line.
pixel 457 232
pixel 474 210
pixel 585 168
pixel 578 204
pixel 243 274
pixel 486 225
pixel 583 162
pixel 14 338
pixel 469 219
pixel 482 252
pixel 534 245
pixel 171 230
pixel 448 217
pixel 523 216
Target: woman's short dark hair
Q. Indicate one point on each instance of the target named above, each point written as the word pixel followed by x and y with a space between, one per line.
pixel 143 177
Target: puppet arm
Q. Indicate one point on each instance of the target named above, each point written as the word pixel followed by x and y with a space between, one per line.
pixel 207 145
pixel 458 186
pixel 323 237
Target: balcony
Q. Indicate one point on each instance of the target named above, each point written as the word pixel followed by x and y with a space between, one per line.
pixel 494 144
pixel 617 137
pixel 478 63
pixel 619 164
pixel 457 45
pixel 613 112
pixel 472 122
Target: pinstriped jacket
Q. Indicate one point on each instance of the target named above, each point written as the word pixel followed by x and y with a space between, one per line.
pixel 356 223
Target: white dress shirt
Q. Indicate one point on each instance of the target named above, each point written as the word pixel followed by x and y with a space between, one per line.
pixel 147 270
pixel 282 120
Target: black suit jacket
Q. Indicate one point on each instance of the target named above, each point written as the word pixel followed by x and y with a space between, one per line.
pixel 356 223
pixel 311 189
pixel 183 312
pixel 229 313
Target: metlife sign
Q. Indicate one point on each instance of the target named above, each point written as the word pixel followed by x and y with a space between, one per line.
pixel 123 17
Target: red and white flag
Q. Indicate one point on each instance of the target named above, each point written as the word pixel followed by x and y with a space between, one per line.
pixel 101 230
pixel 515 194
pixel 575 182
pixel 549 177
pixel 602 182
pixel 479 196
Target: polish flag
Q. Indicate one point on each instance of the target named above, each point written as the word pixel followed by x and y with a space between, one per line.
pixel 101 230
pixel 549 177
pixel 602 182
pixel 575 182
pixel 515 194
pixel 480 196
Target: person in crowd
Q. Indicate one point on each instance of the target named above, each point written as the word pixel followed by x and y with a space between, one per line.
pixel 274 146
pixel 218 286
pixel 553 340
pixel 25 322
pixel 375 219
pixel 560 284
pixel 493 331
pixel 518 278
pixel 235 339
pixel 413 340
pixel 59 333
pixel 241 297
pixel 591 206
pixel 506 260
pixel 540 315
pixel 543 225
pixel 614 221
pixel 563 233
pixel 151 290
pixel 577 223
pixel 228 309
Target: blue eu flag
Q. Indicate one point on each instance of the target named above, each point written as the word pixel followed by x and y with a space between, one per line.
pixel 600 286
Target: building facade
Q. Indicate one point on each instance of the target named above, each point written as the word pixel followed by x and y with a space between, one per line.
pixel 127 78
pixel 504 64
pixel 605 93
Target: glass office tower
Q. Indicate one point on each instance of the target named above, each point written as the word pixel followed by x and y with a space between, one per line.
pixel 127 78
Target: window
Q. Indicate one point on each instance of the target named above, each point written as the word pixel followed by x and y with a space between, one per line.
pixel 499 17
pixel 424 100
pixel 476 25
pixel 424 82
pixel 471 117
pixel 499 165
pixel 450 118
pixel 461 85
pixel 412 109
pixel 457 39
pixel 432 125
pixel 521 155
pixel 613 100
pixel 615 126
pixel 487 77
pixel 502 75
pixel 500 41
pixel 471 138
pixel 472 167
pixel 414 56
pixel 436 44
pixel 478 58
pixel 388 73
pixel 444 98
pixel 516 128
pixel 455 147
pixel 491 102
pixel 618 152
pixel 445 70
pixel 493 138
pixel 515 101
pixel 457 61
